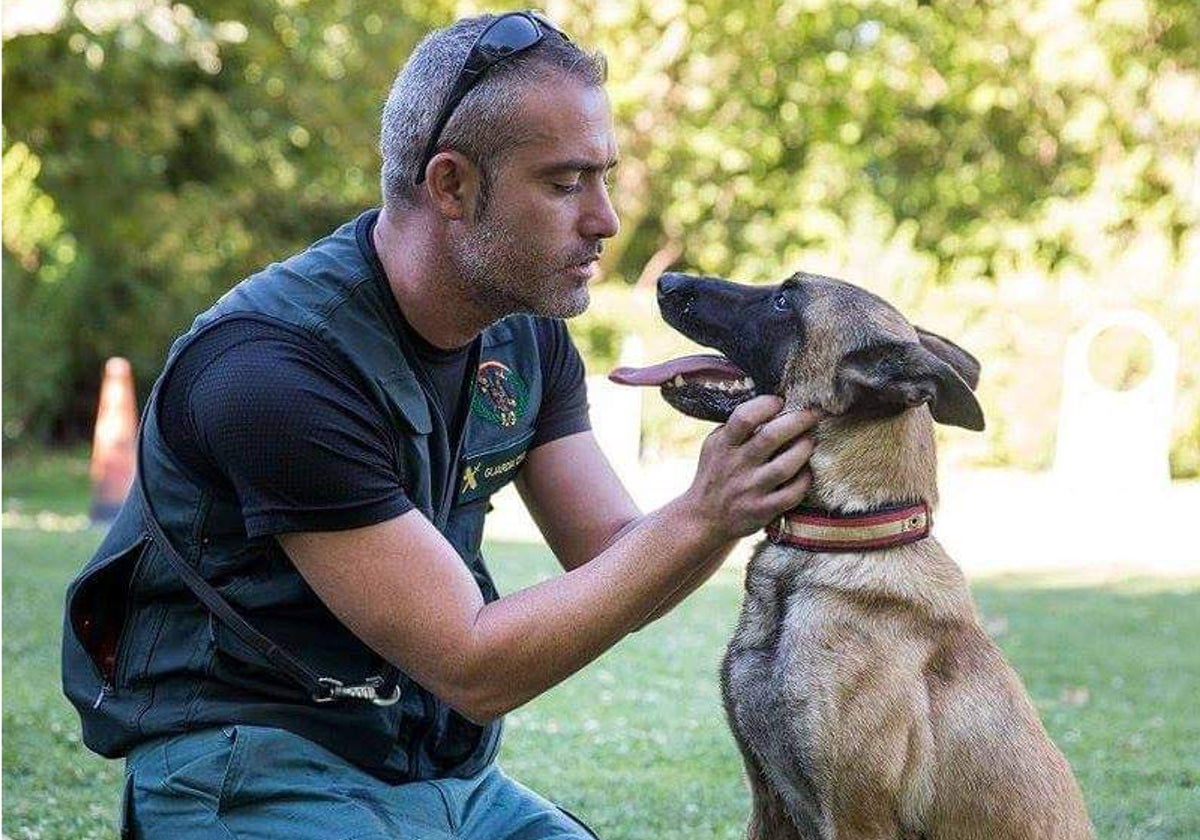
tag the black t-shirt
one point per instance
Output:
(276, 418)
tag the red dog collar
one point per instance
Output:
(824, 531)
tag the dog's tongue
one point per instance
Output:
(664, 372)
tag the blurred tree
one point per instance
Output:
(160, 151)
(760, 131)
(179, 152)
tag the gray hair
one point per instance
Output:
(481, 127)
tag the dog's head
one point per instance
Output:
(818, 342)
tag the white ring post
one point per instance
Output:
(1115, 444)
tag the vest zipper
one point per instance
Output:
(441, 506)
(123, 643)
(105, 690)
(454, 448)
(466, 392)
(442, 513)
(107, 684)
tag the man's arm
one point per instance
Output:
(575, 498)
(582, 508)
(402, 588)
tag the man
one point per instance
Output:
(319, 453)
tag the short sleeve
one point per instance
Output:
(285, 426)
(564, 409)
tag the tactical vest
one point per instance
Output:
(142, 658)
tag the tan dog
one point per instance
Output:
(866, 699)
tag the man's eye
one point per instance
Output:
(567, 189)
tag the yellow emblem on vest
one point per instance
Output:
(470, 481)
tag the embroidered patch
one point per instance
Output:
(501, 396)
(485, 473)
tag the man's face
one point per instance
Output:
(534, 246)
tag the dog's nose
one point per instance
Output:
(670, 284)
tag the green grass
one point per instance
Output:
(55, 481)
(637, 743)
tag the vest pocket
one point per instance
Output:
(99, 606)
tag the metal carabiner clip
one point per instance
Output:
(337, 690)
(388, 701)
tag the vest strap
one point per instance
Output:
(320, 689)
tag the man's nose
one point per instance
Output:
(601, 220)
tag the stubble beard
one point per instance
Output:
(501, 276)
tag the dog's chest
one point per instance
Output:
(768, 673)
(770, 684)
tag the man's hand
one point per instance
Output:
(753, 468)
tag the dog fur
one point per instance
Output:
(867, 700)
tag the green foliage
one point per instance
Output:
(179, 153)
(907, 145)
(42, 271)
(761, 130)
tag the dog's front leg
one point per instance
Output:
(769, 819)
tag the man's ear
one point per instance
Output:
(964, 364)
(453, 184)
(885, 379)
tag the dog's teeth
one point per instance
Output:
(728, 386)
(678, 380)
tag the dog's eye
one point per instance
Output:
(782, 304)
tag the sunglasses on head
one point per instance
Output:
(506, 36)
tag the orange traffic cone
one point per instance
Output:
(113, 454)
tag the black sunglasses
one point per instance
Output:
(506, 36)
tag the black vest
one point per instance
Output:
(142, 658)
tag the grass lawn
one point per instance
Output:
(636, 743)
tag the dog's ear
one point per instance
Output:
(964, 364)
(883, 380)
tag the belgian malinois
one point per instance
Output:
(866, 699)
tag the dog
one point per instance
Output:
(866, 699)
